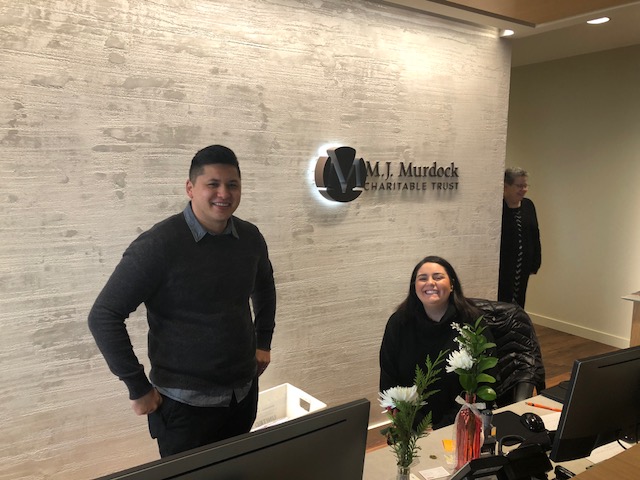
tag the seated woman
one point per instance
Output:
(421, 326)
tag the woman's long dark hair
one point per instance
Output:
(465, 308)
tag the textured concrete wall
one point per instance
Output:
(102, 105)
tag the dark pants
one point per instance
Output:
(179, 427)
(507, 291)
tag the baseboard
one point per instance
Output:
(580, 331)
(375, 439)
(379, 425)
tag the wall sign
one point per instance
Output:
(341, 177)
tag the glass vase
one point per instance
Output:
(468, 428)
(404, 473)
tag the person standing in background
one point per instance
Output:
(196, 273)
(520, 249)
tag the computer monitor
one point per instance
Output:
(602, 404)
(329, 443)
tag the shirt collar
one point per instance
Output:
(198, 231)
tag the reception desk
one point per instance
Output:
(635, 319)
(624, 466)
(381, 464)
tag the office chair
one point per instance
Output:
(520, 368)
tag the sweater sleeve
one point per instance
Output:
(536, 246)
(389, 376)
(130, 285)
(263, 299)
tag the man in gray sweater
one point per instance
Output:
(196, 273)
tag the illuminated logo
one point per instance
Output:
(341, 176)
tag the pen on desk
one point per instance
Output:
(537, 405)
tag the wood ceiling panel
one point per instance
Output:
(535, 12)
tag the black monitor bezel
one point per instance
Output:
(193, 463)
(597, 408)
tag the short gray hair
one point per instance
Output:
(510, 174)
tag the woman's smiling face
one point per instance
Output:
(433, 286)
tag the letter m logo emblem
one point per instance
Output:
(340, 176)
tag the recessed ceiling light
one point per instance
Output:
(507, 33)
(598, 21)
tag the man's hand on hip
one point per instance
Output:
(148, 403)
(264, 359)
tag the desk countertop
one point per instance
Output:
(635, 297)
(624, 466)
(381, 464)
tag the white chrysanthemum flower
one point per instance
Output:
(389, 398)
(459, 359)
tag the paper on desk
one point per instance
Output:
(551, 420)
(433, 473)
(606, 451)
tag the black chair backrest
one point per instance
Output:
(519, 356)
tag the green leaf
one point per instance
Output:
(486, 393)
(468, 382)
(424, 424)
(486, 363)
(429, 394)
(484, 378)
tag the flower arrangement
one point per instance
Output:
(402, 404)
(471, 361)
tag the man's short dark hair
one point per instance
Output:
(211, 155)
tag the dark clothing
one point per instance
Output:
(520, 251)
(201, 332)
(520, 367)
(179, 427)
(406, 343)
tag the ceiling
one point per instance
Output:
(545, 29)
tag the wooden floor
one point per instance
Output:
(559, 350)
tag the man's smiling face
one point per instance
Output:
(215, 195)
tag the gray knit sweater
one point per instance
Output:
(201, 331)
